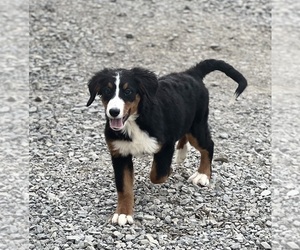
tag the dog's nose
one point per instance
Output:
(114, 112)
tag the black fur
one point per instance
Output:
(171, 107)
(119, 165)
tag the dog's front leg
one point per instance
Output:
(123, 168)
(161, 166)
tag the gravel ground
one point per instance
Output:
(72, 191)
(14, 118)
(68, 157)
(286, 125)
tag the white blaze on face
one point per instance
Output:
(116, 102)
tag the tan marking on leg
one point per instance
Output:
(205, 164)
(111, 148)
(153, 175)
(182, 142)
(126, 197)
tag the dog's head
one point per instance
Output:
(121, 92)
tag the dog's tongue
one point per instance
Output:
(116, 123)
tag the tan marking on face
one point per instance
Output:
(182, 142)
(126, 198)
(132, 106)
(205, 163)
(110, 85)
(105, 103)
(125, 86)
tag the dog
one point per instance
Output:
(147, 114)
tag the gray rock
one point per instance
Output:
(292, 192)
(292, 245)
(265, 193)
(118, 235)
(266, 245)
(144, 242)
(224, 135)
(129, 237)
(74, 238)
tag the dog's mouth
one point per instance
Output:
(118, 124)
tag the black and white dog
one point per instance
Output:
(146, 114)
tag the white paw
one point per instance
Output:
(122, 219)
(198, 178)
(181, 154)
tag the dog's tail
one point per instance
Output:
(203, 68)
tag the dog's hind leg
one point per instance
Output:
(201, 140)
(161, 166)
(181, 149)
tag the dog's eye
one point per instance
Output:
(127, 92)
(107, 91)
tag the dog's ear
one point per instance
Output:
(147, 82)
(96, 83)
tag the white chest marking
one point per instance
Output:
(140, 142)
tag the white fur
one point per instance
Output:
(140, 142)
(199, 178)
(122, 219)
(181, 154)
(116, 101)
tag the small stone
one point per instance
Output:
(292, 245)
(226, 198)
(118, 234)
(11, 99)
(38, 99)
(215, 47)
(110, 52)
(149, 217)
(32, 109)
(168, 219)
(265, 193)
(90, 248)
(235, 246)
(296, 223)
(157, 201)
(144, 242)
(266, 245)
(269, 223)
(239, 237)
(4, 109)
(39, 229)
(292, 193)
(151, 239)
(74, 238)
(122, 14)
(129, 237)
(129, 36)
(187, 8)
(42, 236)
(223, 136)
(89, 238)
(221, 159)
(83, 159)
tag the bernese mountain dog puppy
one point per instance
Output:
(147, 114)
